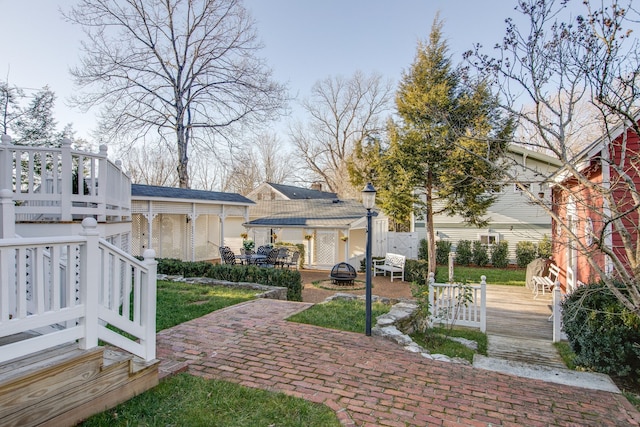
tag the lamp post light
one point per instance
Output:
(368, 200)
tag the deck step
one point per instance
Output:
(64, 385)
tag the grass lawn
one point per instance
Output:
(180, 302)
(435, 340)
(495, 276)
(186, 400)
(344, 315)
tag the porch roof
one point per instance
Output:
(312, 213)
(154, 192)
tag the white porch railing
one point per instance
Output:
(61, 184)
(57, 290)
(464, 305)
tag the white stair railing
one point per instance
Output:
(45, 302)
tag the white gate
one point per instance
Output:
(403, 244)
(325, 252)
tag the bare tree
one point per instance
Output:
(185, 69)
(264, 159)
(341, 112)
(554, 67)
(151, 164)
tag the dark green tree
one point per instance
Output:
(450, 137)
(36, 124)
(376, 163)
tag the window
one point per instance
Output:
(517, 189)
(489, 238)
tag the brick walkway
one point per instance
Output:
(371, 381)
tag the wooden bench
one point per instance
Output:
(392, 263)
(546, 283)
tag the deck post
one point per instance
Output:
(66, 175)
(90, 278)
(432, 297)
(148, 298)
(557, 316)
(483, 303)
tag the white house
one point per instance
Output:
(331, 229)
(512, 217)
(190, 225)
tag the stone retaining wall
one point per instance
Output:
(269, 292)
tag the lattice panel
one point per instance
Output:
(139, 235)
(325, 249)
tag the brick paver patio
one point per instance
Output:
(371, 381)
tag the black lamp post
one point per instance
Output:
(368, 200)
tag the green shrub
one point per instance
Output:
(479, 256)
(525, 253)
(363, 261)
(464, 253)
(416, 271)
(290, 279)
(443, 247)
(423, 250)
(500, 254)
(170, 266)
(603, 333)
(544, 247)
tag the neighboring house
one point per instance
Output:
(581, 208)
(187, 224)
(331, 229)
(513, 217)
(271, 191)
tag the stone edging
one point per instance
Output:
(269, 292)
(398, 323)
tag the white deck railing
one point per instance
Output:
(61, 184)
(57, 290)
(457, 304)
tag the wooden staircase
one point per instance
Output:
(64, 385)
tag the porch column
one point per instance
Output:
(193, 216)
(150, 215)
(223, 215)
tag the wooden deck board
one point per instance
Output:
(518, 326)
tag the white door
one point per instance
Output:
(325, 252)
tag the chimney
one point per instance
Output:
(316, 186)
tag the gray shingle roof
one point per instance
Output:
(141, 190)
(306, 213)
(297, 193)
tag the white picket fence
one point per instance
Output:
(56, 290)
(454, 303)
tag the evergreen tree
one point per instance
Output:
(450, 137)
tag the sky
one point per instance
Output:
(305, 41)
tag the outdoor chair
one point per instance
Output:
(292, 261)
(264, 250)
(283, 255)
(271, 260)
(227, 255)
(247, 255)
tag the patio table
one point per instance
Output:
(251, 258)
